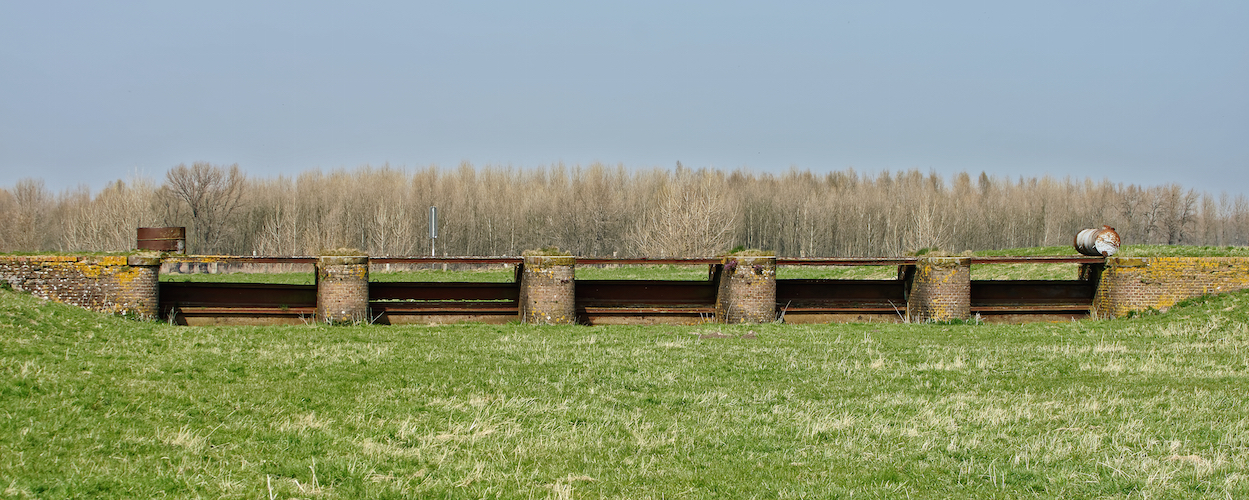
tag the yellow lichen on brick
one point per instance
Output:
(1159, 283)
(127, 274)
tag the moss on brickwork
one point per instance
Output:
(1131, 285)
(940, 290)
(104, 283)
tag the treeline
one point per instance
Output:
(602, 211)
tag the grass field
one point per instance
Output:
(95, 406)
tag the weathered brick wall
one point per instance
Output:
(747, 290)
(343, 289)
(941, 290)
(112, 284)
(1140, 284)
(548, 290)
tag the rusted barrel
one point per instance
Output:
(163, 239)
(1098, 242)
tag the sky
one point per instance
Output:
(1138, 92)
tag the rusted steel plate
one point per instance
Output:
(401, 318)
(798, 318)
(1020, 298)
(238, 259)
(236, 295)
(444, 291)
(837, 261)
(239, 316)
(840, 295)
(1038, 260)
(163, 239)
(648, 311)
(1030, 291)
(646, 261)
(644, 293)
(1030, 308)
(1036, 317)
(247, 310)
(895, 309)
(444, 307)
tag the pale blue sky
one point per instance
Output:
(1139, 92)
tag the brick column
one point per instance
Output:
(940, 290)
(138, 290)
(747, 290)
(343, 289)
(548, 290)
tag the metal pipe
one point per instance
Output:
(1102, 241)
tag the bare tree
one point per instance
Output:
(692, 218)
(211, 194)
(28, 206)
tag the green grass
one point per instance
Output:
(487, 275)
(644, 272)
(94, 406)
(699, 272)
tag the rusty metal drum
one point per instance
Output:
(1098, 242)
(162, 239)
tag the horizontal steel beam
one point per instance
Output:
(446, 260)
(644, 293)
(647, 261)
(443, 291)
(783, 261)
(236, 259)
(175, 294)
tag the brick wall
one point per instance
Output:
(343, 289)
(547, 290)
(1140, 284)
(940, 290)
(747, 290)
(112, 284)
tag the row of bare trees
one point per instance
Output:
(600, 211)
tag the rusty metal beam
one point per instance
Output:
(644, 293)
(838, 261)
(646, 261)
(237, 259)
(444, 307)
(814, 295)
(785, 261)
(445, 260)
(1038, 260)
(175, 294)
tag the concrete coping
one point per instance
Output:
(1127, 262)
(550, 260)
(749, 259)
(342, 260)
(143, 260)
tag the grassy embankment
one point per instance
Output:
(103, 407)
